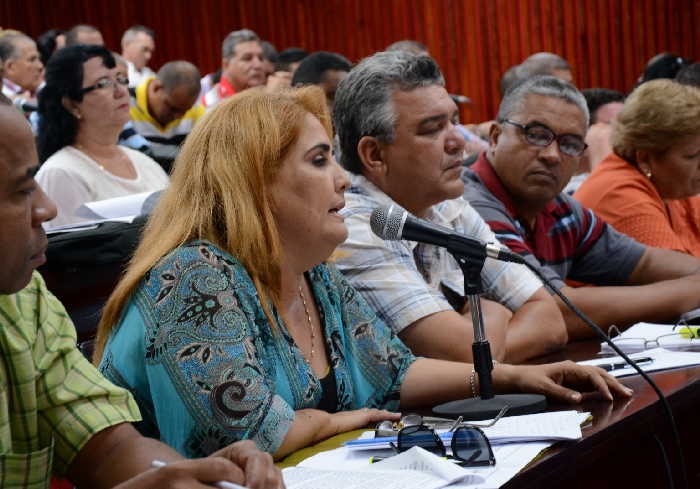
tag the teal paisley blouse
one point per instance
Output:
(207, 369)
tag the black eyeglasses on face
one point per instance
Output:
(540, 135)
(106, 83)
(469, 444)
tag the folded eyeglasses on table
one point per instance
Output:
(469, 445)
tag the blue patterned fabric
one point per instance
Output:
(207, 368)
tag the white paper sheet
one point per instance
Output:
(413, 469)
(560, 425)
(510, 459)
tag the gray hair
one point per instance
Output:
(547, 86)
(73, 32)
(8, 46)
(131, 33)
(542, 64)
(228, 48)
(179, 73)
(363, 102)
(409, 45)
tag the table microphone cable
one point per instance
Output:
(662, 397)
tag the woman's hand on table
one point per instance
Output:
(565, 381)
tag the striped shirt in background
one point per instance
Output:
(567, 241)
(52, 400)
(164, 141)
(401, 279)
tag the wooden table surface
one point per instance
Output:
(620, 448)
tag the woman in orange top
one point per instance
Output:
(648, 187)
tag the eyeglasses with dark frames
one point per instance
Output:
(106, 82)
(538, 134)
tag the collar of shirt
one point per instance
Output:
(443, 213)
(11, 87)
(224, 88)
(483, 169)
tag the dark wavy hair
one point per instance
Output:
(64, 78)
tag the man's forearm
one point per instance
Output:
(626, 305)
(115, 455)
(536, 328)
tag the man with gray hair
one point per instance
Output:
(243, 66)
(537, 64)
(516, 186)
(138, 44)
(84, 34)
(398, 138)
(164, 109)
(22, 67)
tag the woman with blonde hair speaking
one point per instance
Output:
(648, 187)
(229, 324)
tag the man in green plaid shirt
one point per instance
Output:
(58, 415)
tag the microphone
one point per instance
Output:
(460, 99)
(392, 223)
(24, 106)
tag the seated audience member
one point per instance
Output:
(603, 105)
(59, 415)
(83, 108)
(689, 75)
(544, 63)
(648, 188)
(516, 186)
(508, 80)
(289, 59)
(662, 65)
(164, 109)
(324, 69)
(537, 64)
(275, 80)
(128, 135)
(270, 56)
(398, 138)
(50, 42)
(242, 67)
(229, 325)
(22, 67)
(409, 46)
(84, 34)
(138, 44)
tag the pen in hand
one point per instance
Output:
(620, 365)
(156, 464)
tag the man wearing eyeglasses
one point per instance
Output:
(516, 185)
(397, 128)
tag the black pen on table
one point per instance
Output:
(620, 365)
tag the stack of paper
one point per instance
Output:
(562, 425)
(413, 469)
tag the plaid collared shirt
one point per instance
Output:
(52, 400)
(401, 279)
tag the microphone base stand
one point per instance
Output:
(487, 405)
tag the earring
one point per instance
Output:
(77, 115)
(647, 173)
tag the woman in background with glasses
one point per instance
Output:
(230, 325)
(83, 107)
(648, 187)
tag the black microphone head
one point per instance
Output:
(387, 222)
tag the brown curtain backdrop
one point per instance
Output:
(607, 42)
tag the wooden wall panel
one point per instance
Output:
(475, 41)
